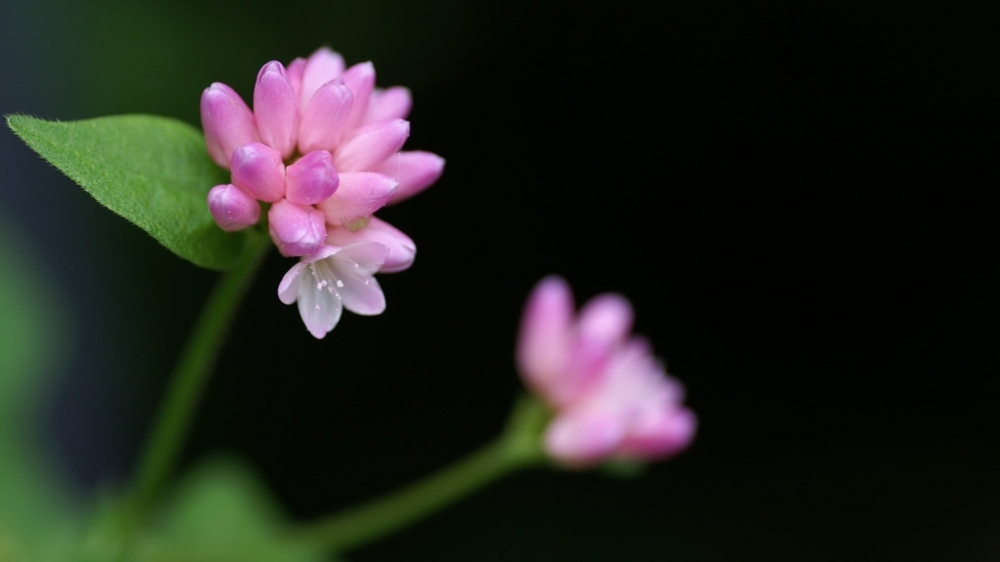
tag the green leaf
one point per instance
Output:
(38, 514)
(153, 171)
(222, 512)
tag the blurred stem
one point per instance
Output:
(518, 447)
(189, 377)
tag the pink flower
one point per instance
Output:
(322, 145)
(610, 397)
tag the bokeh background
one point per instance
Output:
(800, 201)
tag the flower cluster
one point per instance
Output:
(610, 396)
(322, 148)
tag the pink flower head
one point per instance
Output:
(322, 145)
(611, 398)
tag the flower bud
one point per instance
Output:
(258, 170)
(359, 195)
(391, 103)
(294, 71)
(602, 326)
(227, 121)
(312, 179)
(360, 78)
(276, 108)
(415, 170)
(296, 230)
(546, 327)
(321, 67)
(325, 118)
(371, 144)
(231, 208)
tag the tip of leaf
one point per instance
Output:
(15, 120)
(10, 120)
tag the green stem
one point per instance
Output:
(518, 447)
(189, 377)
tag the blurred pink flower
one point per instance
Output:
(322, 145)
(611, 398)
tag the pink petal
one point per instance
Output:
(295, 230)
(659, 436)
(402, 250)
(360, 78)
(671, 389)
(391, 103)
(227, 121)
(371, 144)
(632, 383)
(276, 108)
(603, 325)
(231, 208)
(542, 350)
(323, 65)
(582, 439)
(606, 319)
(358, 195)
(354, 267)
(415, 171)
(295, 70)
(288, 289)
(632, 370)
(325, 117)
(312, 179)
(258, 170)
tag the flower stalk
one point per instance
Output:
(517, 447)
(187, 382)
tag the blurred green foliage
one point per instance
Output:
(222, 512)
(37, 512)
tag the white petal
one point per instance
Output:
(324, 252)
(368, 256)
(362, 295)
(288, 289)
(319, 303)
(354, 267)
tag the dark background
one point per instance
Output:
(800, 202)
